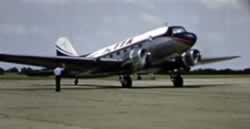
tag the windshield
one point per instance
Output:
(178, 30)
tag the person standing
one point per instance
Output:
(58, 75)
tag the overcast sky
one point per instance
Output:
(33, 26)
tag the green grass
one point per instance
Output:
(12, 76)
(219, 76)
(148, 77)
(207, 76)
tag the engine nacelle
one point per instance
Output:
(139, 58)
(191, 57)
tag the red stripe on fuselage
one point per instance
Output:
(184, 41)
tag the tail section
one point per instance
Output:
(65, 48)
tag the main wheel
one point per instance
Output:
(76, 81)
(126, 81)
(178, 81)
(139, 77)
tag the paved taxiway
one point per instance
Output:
(205, 103)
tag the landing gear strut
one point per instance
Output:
(176, 78)
(76, 81)
(126, 81)
(139, 77)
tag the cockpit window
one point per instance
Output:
(175, 30)
(178, 30)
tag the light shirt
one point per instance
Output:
(58, 71)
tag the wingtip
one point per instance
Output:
(234, 57)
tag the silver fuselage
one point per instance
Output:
(161, 49)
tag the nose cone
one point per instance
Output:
(190, 37)
(187, 38)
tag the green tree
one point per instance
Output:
(12, 70)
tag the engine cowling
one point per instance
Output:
(191, 57)
(139, 58)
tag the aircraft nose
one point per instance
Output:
(191, 37)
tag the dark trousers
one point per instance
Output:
(58, 83)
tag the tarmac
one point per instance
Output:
(204, 103)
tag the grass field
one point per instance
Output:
(12, 76)
(206, 101)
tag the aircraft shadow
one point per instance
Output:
(49, 87)
(151, 87)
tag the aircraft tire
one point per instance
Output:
(139, 77)
(178, 81)
(76, 82)
(126, 81)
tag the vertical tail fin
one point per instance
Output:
(65, 48)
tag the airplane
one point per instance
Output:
(165, 48)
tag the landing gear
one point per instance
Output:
(126, 81)
(76, 81)
(177, 79)
(139, 77)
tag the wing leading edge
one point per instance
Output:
(216, 59)
(77, 63)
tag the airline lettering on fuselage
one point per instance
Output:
(146, 36)
(113, 48)
(122, 44)
(117, 46)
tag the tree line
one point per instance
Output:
(25, 71)
(46, 72)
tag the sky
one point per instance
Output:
(33, 26)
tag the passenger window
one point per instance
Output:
(118, 53)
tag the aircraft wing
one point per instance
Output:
(77, 63)
(216, 59)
